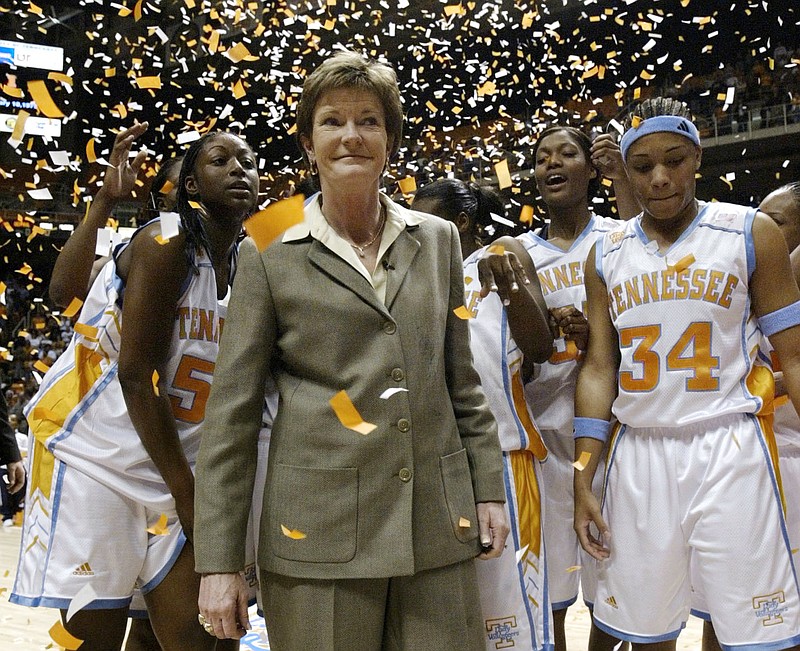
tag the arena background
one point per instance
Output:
(479, 81)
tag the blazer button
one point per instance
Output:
(403, 425)
(405, 474)
(397, 374)
(389, 328)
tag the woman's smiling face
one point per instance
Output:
(348, 142)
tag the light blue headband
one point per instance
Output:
(659, 124)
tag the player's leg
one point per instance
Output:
(599, 640)
(710, 641)
(173, 610)
(141, 636)
(100, 630)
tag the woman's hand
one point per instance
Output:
(223, 604)
(120, 178)
(607, 157)
(587, 513)
(501, 272)
(493, 528)
(570, 323)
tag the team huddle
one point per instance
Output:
(627, 426)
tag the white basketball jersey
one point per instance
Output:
(498, 360)
(79, 412)
(687, 336)
(551, 395)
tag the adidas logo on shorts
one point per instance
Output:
(84, 570)
(612, 602)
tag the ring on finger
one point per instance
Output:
(209, 628)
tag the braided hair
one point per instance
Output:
(655, 106)
(454, 196)
(583, 141)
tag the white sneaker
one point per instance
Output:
(8, 523)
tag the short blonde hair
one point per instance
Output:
(349, 69)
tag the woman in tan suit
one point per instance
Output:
(367, 537)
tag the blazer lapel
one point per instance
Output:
(341, 272)
(399, 256)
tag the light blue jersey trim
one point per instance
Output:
(563, 605)
(749, 244)
(63, 604)
(639, 639)
(637, 225)
(701, 615)
(158, 578)
(598, 259)
(788, 643)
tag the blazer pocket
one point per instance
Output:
(457, 482)
(315, 514)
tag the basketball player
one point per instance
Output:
(509, 331)
(567, 171)
(678, 299)
(116, 418)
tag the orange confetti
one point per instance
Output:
(683, 263)
(90, 332)
(90, 155)
(463, 522)
(636, 121)
(160, 527)
(40, 366)
(573, 568)
(160, 240)
(294, 534)
(462, 312)
(63, 637)
(25, 269)
(149, 82)
(408, 185)
(266, 225)
(73, 308)
(526, 215)
(155, 384)
(60, 77)
(496, 249)
(45, 104)
(348, 415)
(582, 461)
(488, 88)
(503, 175)
(239, 52)
(167, 187)
(19, 126)
(13, 91)
(238, 89)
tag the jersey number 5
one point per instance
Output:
(692, 353)
(193, 376)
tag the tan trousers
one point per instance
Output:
(434, 610)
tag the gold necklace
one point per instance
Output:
(361, 248)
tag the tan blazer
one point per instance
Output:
(393, 502)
